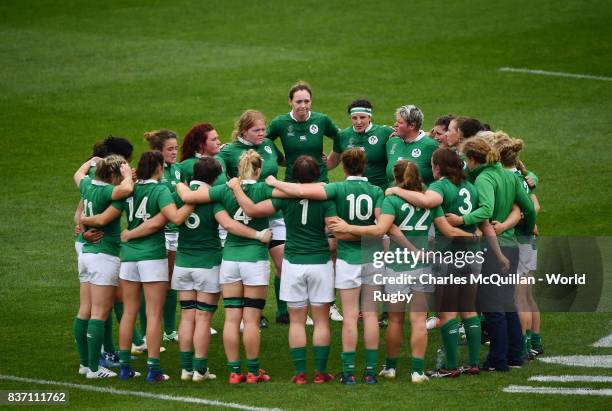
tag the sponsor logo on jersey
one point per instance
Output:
(416, 153)
(268, 149)
(393, 148)
(177, 174)
(373, 140)
(314, 129)
(290, 131)
(302, 138)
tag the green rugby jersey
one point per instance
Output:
(302, 138)
(373, 142)
(240, 248)
(306, 241)
(97, 196)
(523, 235)
(414, 222)
(418, 151)
(171, 176)
(86, 180)
(498, 189)
(148, 199)
(267, 150)
(355, 200)
(186, 169)
(199, 245)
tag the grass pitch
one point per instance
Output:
(73, 72)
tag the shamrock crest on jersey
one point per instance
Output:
(268, 149)
(177, 174)
(314, 129)
(373, 140)
(416, 152)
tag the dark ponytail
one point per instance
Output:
(148, 164)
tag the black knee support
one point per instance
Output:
(188, 304)
(259, 303)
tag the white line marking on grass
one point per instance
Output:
(525, 389)
(591, 361)
(164, 397)
(570, 378)
(604, 342)
(554, 73)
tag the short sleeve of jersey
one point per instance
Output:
(177, 200)
(278, 203)
(107, 193)
(437, 212)
(83, 185)
(436, 186)
(267, 191)
(387, 207)
(380, 196)
(331, 130)
(216, 193)
(336, 147)
(217, 207)
(330, 209)
(165, 197)
(330, 190)
(272, 132)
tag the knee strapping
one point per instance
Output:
(188, 304)
(202, 306)
(258, 303)
(233, 302)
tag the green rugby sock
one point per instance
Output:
(281, 306)
(80, 335)
(536, 340)
(298, 356)
(528, 340)
(95, 336)
(321, 355)
(170, 312)
(125, 357)
(450, 338)
(108, 344)
(253, 365)
(201, 364)
(390, 362)
(186, 359)
(234, 366)
(418, 365)
(153, 364)
(371, 359)
(348, 362)
(473, 332)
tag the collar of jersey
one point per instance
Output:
(246, 143)
(307, 118)
(197, 183)
(248, 182)
(149, 181)
(421, 135)
(99, 183)
(368, 128)
(356, 178)
(198, 155)
(514, 169)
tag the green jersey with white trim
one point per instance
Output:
(302, 138)
(171, 176)
(199, 245)
(457, 199)
(418, 151)
(522, 234)
(186, 169)
(373, 142)
(97, 196)
(305, 220)
(148, 199)
(355, 199)
(414, 222)
(267, 150)
(240, 248)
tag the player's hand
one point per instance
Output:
(94, 160)
(125, 236)
(498, 227)
(265, 236)
(390, 191)
(530, 182)
(134, 176)
(234, 183)
(77, 229)
(535, 230)
(126, 171)
(92, 235)
(271, 181)
(339, 226)
(504, 263)
(454, 219)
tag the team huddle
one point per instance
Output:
(207, 227)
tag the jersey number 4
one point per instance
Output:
(141, 211)
(239, 215)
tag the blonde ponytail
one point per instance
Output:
(248, 164)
